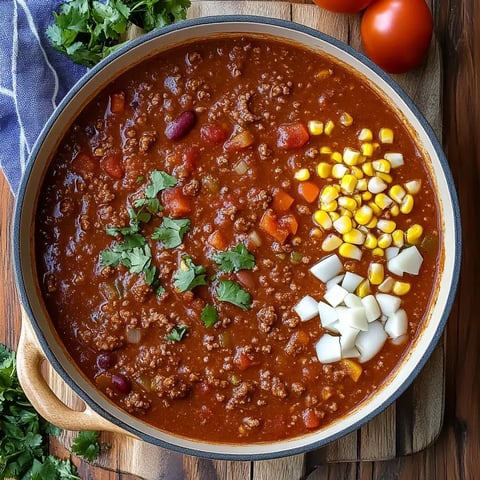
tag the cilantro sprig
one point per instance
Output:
(177, 333)
(87, 31)
(231, 292)
(171, 232)
(86, 445)
(189, 275)
(209, 315)
(238, 258)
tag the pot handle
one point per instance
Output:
(29, 364)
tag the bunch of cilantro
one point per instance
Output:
(88, 30)
(23, 434)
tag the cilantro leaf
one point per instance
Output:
(238, 258)
(86, 445)
(159, 181)
(151, 204)
(189, 275)
(171, 232)
(231, 292)
(209, 315)
(177, 333)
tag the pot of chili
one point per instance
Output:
(231, 240)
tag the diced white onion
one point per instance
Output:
(353, 317)
(399, 340)
(387, 285)
(335, 295)
(328, 349)
(391, 252)
(351, 353)
(255, 238)
(327, 268)
(240, 167)
(389, 304)
(397, 324)
(348, 336)
(334, 281)
(328, 314)
(133, 335)
(351, 300)
(409, 260)
(372, 309)
(395, 159)
(306, 308)
(369, 343)
(333, 327)
(351, 281)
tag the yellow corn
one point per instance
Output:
(387, 285)
(384, 240)
(356, 171)
(315, 127)
(395, 210)
(375, 208)
(414, 234)
(348, 250)
(370, 241)
(382, 200)
(367, 168)
(413, 186)
(336, 157)
(347, 202)
(376, 273)
(358, 198)
(348, 183)
(353, 369)
(322, 219)
(324, 169)
(316, 233)
(378, 252)
(334, 215)
(346, 119)
(329, 207)
(372, 223)
(351, 156)
(325, 150)
(329, 126)
(362, 184)
(363, 215)
(386, 177)
(395, 159)
(354, 236)
(343, 224)
(331, 243)
(398, 238)
(397, 192)
(363, 289)
(339, 170)
(381, 165)
(400, 288)
(365, 135)
(345, 212)
(367, 149)
(386, 226)
(366, 196)
(407, 204)
(328, 194)
(385, 135)
(302, 174)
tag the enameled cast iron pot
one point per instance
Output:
(39, 339)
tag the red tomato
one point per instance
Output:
(396, 34)
(112, 164)
(176, 203)
(343, 6)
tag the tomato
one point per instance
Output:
(396, 34)
(343, 6)
(112, 165)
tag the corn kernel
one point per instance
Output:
(362, 184)
(358, 198)
(343, 224)
(386, 135)
(414, 234)
(348, 250)
(348, 183)
(413, 186)
(328, 194)
(376, 185)
(363, 289)
(329, 126)
(334, 215)
(315, 127)
(347, 202)
(353, 369)
(336, 157)
(367, 168)
(346, 119)
(356, 172)
(363, 215)
(367, 196)
(376, 273)
(387, 285)
(378, 252)
(325, 150)
(384, 240)
(397, 192)
(316, 233)
(344, 211)
(398, 238)
(372, 223)
(329, 207)
(331, 243)
(395, 159)
(386, 177)
(339, 170)
(375, 208)
(381, 165)
(386, 226)
(383, 201)
(302, 174)
(367, 149)
(407, 204)
(351, 156)
(401, 288)
(355, 237)
(324, 169)
(322, 219)
(365, 135)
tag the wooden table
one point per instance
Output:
(456, 453)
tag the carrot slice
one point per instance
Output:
(269, 224)
(282, 201)
(309, 191)
(217, 240)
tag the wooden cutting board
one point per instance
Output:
(409, 425)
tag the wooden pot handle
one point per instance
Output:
(29, 369)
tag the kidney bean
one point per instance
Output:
(121, 383)
(179, 127)
(105, 360)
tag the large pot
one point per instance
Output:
(39, 339)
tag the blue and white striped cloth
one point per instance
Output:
(33, 80)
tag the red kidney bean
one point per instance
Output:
(121, 383)
(105, 360)
(179, 127)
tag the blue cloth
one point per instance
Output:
(33, 79)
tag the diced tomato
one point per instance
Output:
(85, 164)
(213, 133)
(292, 135)
(239, 141)
(243, 361)
(310, 418)
(190, 158)
(289, 222)
(217, 240)
(112, 165)
(117, 102)
(282, 201)
(175, 202)
(309, 191)
(269, 224)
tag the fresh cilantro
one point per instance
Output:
(159, 181)
(171, 232)
(177, 333)
(86, 445)
(151, 204)
(87, 31)
(238, 258)
(189, 275)
(209, 315)
(23, 439)
(231, 292)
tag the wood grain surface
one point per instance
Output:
(456, 453)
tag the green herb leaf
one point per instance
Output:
(86, 445)
(209, 315)
(177, 333)
(189, 275)
(238, 258)
(231, 292)
(159, 181)
(151, 204)
(171, 232)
